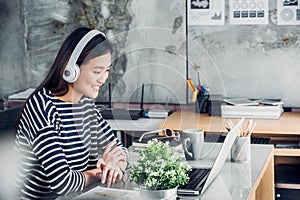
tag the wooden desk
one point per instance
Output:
(287, 128)
(283, 130)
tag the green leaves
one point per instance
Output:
(157, 167)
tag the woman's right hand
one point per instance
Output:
(113, 154)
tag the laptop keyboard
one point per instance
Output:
(196, 176)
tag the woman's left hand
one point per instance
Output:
(110, 173)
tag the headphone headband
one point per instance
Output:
(81, 44)
(72, 71)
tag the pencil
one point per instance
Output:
(191, 85)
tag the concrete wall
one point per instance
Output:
(254, 61)
(12, 70)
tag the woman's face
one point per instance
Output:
(93, 74)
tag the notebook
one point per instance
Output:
(205, 176)
(241, 102)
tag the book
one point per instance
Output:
(265, 111)
(241, 102)
(273, 102)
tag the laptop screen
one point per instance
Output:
(223, 154)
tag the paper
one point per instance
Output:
(249, 11)
(206, 12)
(105, 193)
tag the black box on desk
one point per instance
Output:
(202, 103)
(214, 105)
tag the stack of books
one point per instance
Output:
(266, 108)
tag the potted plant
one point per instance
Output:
(159, 171)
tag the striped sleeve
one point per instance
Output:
(46, 147)
(60, 177)
(106, 135)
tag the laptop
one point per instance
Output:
(201, 178)
(129, 114)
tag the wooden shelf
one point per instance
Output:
(286, 152)
(288, 186)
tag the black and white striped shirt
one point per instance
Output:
(57, 141)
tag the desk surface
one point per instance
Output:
(235, 181)
(142, 124)
(288, 123)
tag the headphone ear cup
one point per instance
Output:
(71, 73)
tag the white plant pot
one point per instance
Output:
(168, 194)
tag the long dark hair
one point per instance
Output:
(97, 46)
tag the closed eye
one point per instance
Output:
(101, 71)
(97, 72)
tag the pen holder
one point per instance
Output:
(201, 105)
(240, 150)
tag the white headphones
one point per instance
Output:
(72, 71)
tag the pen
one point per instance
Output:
(197, 68)
(198, 73)
(239, 133)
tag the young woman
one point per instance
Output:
(63, 142)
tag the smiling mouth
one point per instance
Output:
(96, 87)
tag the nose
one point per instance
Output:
(102, 78)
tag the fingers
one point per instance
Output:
(108, 149)
(113, 176)
(109, 146)
(100, 162)
(110, 174)
(113, 154)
